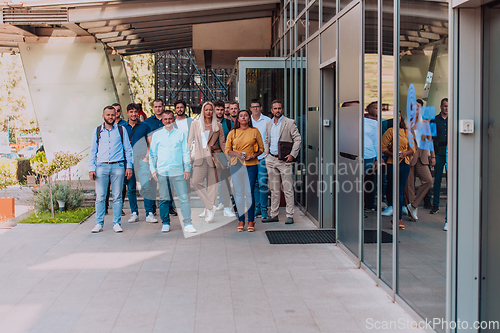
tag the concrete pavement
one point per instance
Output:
(62, 278)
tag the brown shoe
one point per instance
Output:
(241, 225)
(251, 226)
(401, 225)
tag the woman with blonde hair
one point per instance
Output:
(205, 137)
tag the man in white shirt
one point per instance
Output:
(182, 121)
(261, 190)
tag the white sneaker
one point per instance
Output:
(405, 211)
(445, 228)
(97, 228)
(412, 212)
(189, 228)
(151, 218)
(387, 211)
(228, 212)
(220, 207)
(165, 228)
(202, 215)
(210, 214)
(133, 217)
(117, 227)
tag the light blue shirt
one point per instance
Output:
(371, 138)
(169, 153)
(111, 148)
(261, 126)
(275, 136)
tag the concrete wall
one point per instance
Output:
(70, 84)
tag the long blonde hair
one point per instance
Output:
(215, 126)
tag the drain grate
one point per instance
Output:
(321, 236)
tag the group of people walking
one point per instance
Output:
(225, 145)
(420, 149)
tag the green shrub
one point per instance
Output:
(23, 169)
(60, 191)
(8, 172)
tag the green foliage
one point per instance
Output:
(14, 96)
(8, 172)
(60, 162)
(72, 216)
(23, 169)
(140, 71)
(60, 191)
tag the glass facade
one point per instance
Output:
(353, 70)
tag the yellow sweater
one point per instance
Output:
(248, 141)
(404, 144)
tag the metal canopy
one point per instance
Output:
(125, 27)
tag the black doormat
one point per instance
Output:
(371, 237)
(318, 236)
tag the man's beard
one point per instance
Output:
(169, 126)
(109, 123)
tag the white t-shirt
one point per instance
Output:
(182, 125)
(204, 138)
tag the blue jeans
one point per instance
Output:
(244, 178)
(438, 177)
(106, 173)
(141, 169)
(370, 183)
(152, 185)
(261, 190)
(166, 198)
(404, 171)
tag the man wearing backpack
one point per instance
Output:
(110, 160)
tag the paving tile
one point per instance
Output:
(65, 279)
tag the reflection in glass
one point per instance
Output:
(387, 122)
(329, 9)
(344, 3)
(314, 18)
(423, 85)
(370, 135)
(265, 84)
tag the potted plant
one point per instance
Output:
(8, 177)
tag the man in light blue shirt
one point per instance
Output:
(275, 133)
(261, 190)
(169, 160)
(370, 154)
(110, 160)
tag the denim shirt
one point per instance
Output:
(110, 149)
(169, 153)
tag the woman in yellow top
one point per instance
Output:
(404, 153)
(244, 144)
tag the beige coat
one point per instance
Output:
(421, 154)
(288, 133)
(200, 152)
